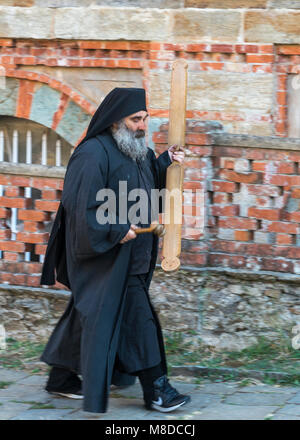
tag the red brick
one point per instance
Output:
(197, 139)
(289, 228)
(259, 58)
(27, 237)
(295, 193)
(15, 202)
(226, 211)
(277, 265)
(282, 98)
(194, 259)
(50, 194)
(33, 280)
(6, 42)
(5, 234)
(254, 154)
(237, 261)
(267, 214)
(4, 213)
(243, 235)
(43, 183)
(13, 246)
(262, 68)
(192, 185)
(14, 191)
(224, 48)
(45, 205)
(289, 49)
(221, 198)
(259, 166)
(19, 180)
(241, 177)
(227, 151)
(237, 223)
(293, 216)
(284, 239)
(40, 249)
(221, 186)
(18, 279)
(246, 48)
(30, 226)
(286, 168)
(11, 256)
(266, 48)
(32, 215)
(4, 179)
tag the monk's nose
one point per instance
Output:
(142, 125)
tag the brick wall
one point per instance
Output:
(241, 206)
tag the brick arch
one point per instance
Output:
(47, 101)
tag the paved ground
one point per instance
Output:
(22, 397)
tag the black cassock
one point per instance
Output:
(90, 261)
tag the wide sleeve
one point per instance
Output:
(86, 175)
(159, 167)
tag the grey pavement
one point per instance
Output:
(22, 397)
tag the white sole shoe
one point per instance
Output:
(68, 395)
(171, 408)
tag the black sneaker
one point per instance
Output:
(166, 398)
(64, 383)
(70, 394)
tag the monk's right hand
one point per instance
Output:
(130, 234)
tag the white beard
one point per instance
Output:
(133, 144)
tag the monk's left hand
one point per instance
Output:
(175, 154)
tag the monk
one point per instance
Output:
(109, 332)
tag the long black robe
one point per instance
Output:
(91, 262)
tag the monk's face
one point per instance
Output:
(137, 123)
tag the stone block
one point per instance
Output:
(8, 94)
(288, 4)
(73, 123)
(272, 26)
(18, 22)
(217, 91)
(106, 24)
(205, 25)
(222, 4)
(44, 104)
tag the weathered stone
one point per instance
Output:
(87, 3)
(217, 91)
(106, 24)
(25, 22)
(73, 123)
(40, 111)
(201, 25)
(226, 4)
(8, 94)
(272, 26)
(288, 4)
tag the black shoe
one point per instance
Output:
(166, 398)
(70, 394)
(64, 383)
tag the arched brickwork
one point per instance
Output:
(45, 100)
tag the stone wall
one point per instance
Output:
(255, 22)
(224, 309)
